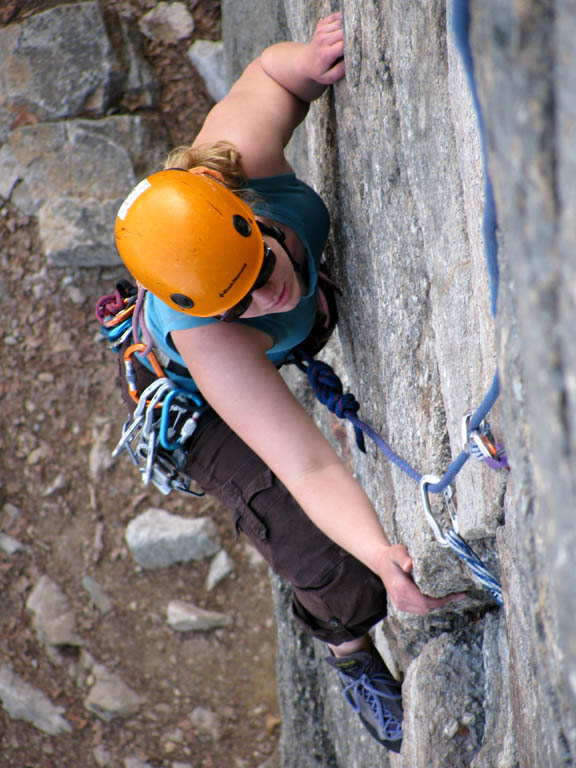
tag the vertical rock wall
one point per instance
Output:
(526, 71)
(395, 151)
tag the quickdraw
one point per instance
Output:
(155, 435)
(454, 541)
(480, 444)
(165, 416)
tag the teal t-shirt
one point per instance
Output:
(289, 201)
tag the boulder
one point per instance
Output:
(64, 157)
(53, 617)
(63, 62)
(167, 23)
(207, 56)
(157, 539)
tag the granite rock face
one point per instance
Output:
(69, 60)
(527, 72)
(395, 150)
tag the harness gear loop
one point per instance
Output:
(158, 465)
(160, 424)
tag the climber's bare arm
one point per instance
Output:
(271, 98)
(229, 364)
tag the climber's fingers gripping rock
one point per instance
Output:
(395, 570)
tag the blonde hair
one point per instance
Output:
(221, 156)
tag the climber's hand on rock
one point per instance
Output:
(323, 61)
(395, 568)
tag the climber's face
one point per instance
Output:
(277, 288)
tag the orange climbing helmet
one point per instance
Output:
(190, 241)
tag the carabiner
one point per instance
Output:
(480, 444)
(129, 369)
(464, 433)
(448, 495)
(120, 316)
(138, 420)
(425, 481)
(478, 436)
(164, 420)
(163, 386)
(128, 435)
(113, 334)
(150, 454)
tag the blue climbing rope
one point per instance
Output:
(461, 30)
(329, 391)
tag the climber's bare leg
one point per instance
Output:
(352, 646)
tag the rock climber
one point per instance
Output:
(227, 242)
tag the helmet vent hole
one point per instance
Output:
(185, 302)
(241, 225)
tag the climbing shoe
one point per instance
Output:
(373, 694)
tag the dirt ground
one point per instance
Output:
(58, 398)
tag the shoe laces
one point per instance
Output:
(364, 688)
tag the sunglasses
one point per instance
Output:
(268, 264)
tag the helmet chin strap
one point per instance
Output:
(280, 238)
